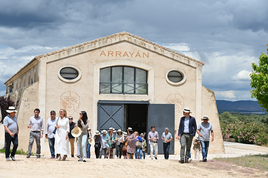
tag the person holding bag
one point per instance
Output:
(82, 139)
(138, 140)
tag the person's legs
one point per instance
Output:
(183, 144)
(107, 153)
(51, 142)
(156, 149)
(84, 145)
(189, 140)
(143, 154)
(78, 148)
(140, 151)
(71, 140)
(136, 153)
(31, 140)
(38, 144)
(203, 148)
(206, 148)
(167, 150)
(151, 150)
(88, 150)
(117, 150)
(120, 150)
(8, 142)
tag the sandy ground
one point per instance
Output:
(46, 167)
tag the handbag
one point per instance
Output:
(138, 144)
(113, 145)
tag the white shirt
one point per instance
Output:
(36, 123)
(50, 127)
(186, 125)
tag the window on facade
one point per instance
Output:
(175, 76)
(123, 80)
(69, 73)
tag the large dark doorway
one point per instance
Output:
(136, 116)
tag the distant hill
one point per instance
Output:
(244, 107)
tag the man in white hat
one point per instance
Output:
(36, 125)
(11, 132)
(204, 130)
(187, 130)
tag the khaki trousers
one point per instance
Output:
(71, 140)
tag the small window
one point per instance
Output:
(175, 76)
(69, 73)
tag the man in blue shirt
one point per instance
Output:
(11, 132)
(187, 130)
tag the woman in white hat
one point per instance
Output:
(119, 138)
(110, 137)
(97, 145)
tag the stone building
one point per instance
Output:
(120, 80)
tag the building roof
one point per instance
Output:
(112, 39)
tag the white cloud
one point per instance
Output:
(177, 46)
(225, 94)
(2, 93)
(242, 75)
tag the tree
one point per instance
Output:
(5, 102)
(259, 81)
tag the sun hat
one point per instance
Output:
(76, 132)
(11, 109)
(186, 110)
(129, 129)
(119, 130)
(141, 134)
(205, 117)
(104, 132)
(166, 129)
(97, 133)
(125, 133)
(111, 128)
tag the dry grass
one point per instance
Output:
(252, 161)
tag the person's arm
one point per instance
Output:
(171, 138)
(30, 123)
(67, 129)
(89, 134)
(195, 127)
(42, 127)
(179, 130)
(18, 129)
(212, 135)
(163, 136)
(157, 136)
(47, 128)
(8, 131)
(198, 130)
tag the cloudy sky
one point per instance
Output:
(228, 35)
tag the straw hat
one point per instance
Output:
(76, 132)
(205, 117)
(124, 133)
(129, 128)
(11, 109)
(97, 133)
(111, 128)
(187, 110)
(104, 132)
(119, 130)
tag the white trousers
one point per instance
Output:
(153, 148)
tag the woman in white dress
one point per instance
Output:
(61, 136)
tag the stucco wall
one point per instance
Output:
(209, 108)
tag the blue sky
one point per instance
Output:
(227, 35)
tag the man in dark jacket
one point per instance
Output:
(187, 130)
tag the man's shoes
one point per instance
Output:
(8, 159)
(72, 156)
(190, 159)
(84, 160)
(52, 157)
(13, 158)
(28, 156)
(205, 160)
(80, 159)
(187, 161)
(155, 158)
(38, 156)
(181, 161)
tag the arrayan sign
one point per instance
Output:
(125, 54)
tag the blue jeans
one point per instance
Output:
(138, 153)
(8, 140)
(51, 142)
(88, 150)
(166, 150)
(143, 154)
(204, 145)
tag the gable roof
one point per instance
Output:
(113, 39)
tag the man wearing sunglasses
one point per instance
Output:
(51, 123)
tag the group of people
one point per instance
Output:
(128, 144)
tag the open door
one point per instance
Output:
(110, 115)
(161, 116)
